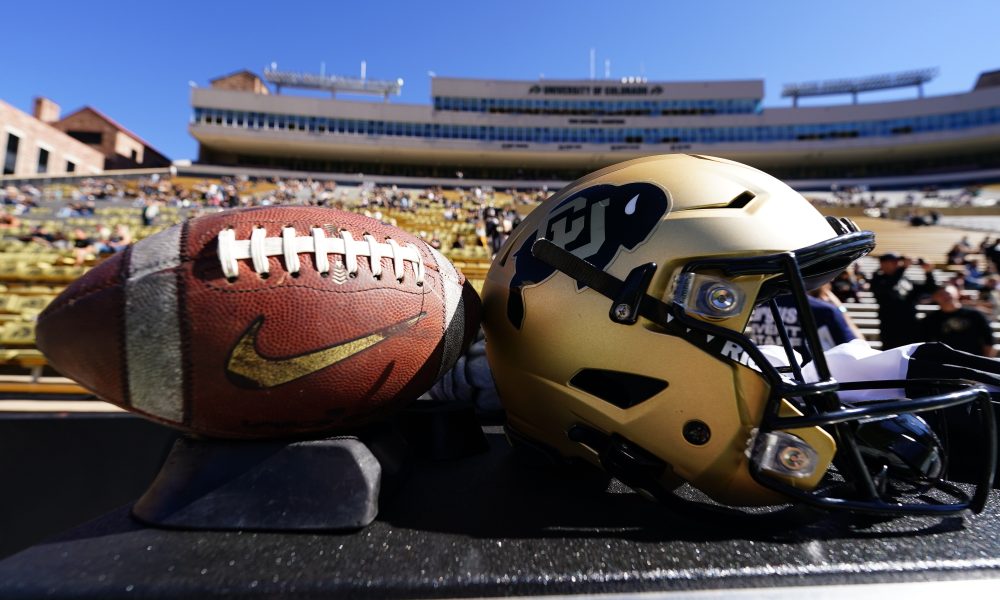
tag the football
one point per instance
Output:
(264, 323)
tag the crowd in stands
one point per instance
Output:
(487, 215)
(71, 219)
(954, 306)
(879, 202)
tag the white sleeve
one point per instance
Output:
(857, 361)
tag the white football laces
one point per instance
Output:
(289, 245)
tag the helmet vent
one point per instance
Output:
(742, 200)
(623, 390)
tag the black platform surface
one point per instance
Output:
(488, 526)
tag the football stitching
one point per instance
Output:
(55, 307)
(224, 290)
(126, 262)
(184, 322)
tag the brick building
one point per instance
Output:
(121, 148)
(30, 145)
(241, 81)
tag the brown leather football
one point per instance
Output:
(264, 322)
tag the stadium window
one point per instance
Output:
(70, 166)
(43, 160)
(10, 155)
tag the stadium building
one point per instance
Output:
(560, 129)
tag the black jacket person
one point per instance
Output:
(897, 297)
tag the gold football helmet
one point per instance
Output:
(615, 315)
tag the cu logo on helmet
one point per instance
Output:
(593, 224)
(580, 227)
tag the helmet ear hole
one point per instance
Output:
(623, 390)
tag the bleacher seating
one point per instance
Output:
(32, 273)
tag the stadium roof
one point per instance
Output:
(859, 84)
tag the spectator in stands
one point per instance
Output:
(962, 328)
(973, 276)
(83, 246)
(992, 252)
(149, 212)
(846, 287)
(39, 234)
(897, 298)
(956, 255)
(7, 220)
(832, 322)
(120, 239)
(988, 299)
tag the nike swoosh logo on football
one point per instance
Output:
(247, 363)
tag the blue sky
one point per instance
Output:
(134, 60)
